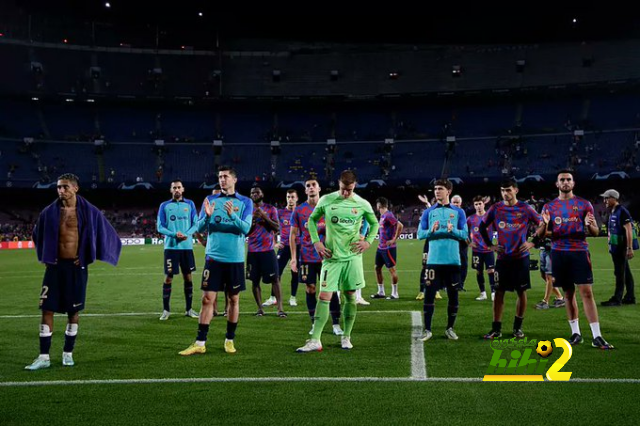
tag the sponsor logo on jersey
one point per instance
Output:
(503, 225)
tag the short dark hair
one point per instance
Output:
(348, 177)
(231, 170)
(292, 191)
(176, 180)
(256, 186)
(478, 198)
(444, 182)
(509, 183)
(310, 179)
(383, 202)
(70, 177)
(563, 171)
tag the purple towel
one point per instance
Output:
(98, 239)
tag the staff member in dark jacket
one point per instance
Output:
(621, 249)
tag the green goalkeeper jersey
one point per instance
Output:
(343, 219)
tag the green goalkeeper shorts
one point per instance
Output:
(342, 276)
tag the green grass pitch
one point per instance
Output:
(371, 383)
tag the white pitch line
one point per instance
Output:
(418, 364)
(142, 314)
(281, 379)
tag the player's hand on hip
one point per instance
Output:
(228, 207)
(526, 247)
(209, 206)
(293, 265)
(497, 248)
(360, 246)
(324, 252)
(279, 246)
(391, 242)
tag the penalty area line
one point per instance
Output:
(277, 380)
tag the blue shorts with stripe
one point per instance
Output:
(386, 257)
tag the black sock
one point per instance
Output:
(497, 326)
(294, 284)
(452, 308)
(481, 282)
(45, 344)
(166, 296)
(429, 306)
(334, 308)
(311, 305)
(517, 322)
(231, 330)
(203, 330)
(188, 294)
(69, 342)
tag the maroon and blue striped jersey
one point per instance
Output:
(285, 216)
(473, 223)
(512, 224)
(261, 237)
(388, 227)
(568, 231)
(308, 253)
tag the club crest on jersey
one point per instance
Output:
(354, 211)
(451, 216)
(558, 220)
(575, 208)
(518, 215)
(502, 225)
(236, 209)
(286, 222)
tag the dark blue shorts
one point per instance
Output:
(482, 261)
(219, 276)
(386, 257)
(262, 266)
(442, 276)
(512, 274)
(178, 260)
(284, 256)
(309, 273)
(571, 268)
(64, 287)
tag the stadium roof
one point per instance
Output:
(398, 21)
